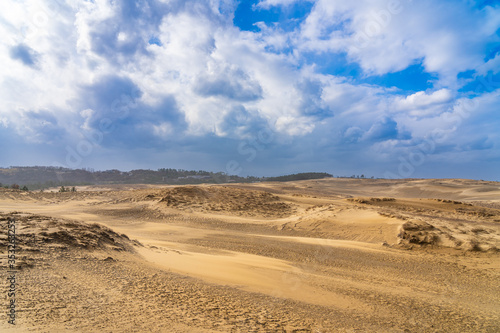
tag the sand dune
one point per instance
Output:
(332, 255)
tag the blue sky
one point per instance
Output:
(392, 89)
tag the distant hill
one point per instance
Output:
(40, 177)
(299, 176)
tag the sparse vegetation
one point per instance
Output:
(67, 189)
(370, 200)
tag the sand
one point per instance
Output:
(332, 255)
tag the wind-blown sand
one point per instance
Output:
(332, 255)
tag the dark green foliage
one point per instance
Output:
(299, 176)
(40, 177)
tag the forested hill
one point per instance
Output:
(299, 176)
(39, 177)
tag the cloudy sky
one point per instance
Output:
(385, 88)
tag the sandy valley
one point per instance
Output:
(330, 255)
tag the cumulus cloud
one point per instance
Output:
(40, 126)
(151, 75)
(382, 130)
(231, 83)
(424, 104)
(386, 37)
(421, 99)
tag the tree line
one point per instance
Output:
(42, 177)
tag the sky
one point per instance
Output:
(383, 88)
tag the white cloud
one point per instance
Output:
(422, 103)
(294, 126)
(49, 84)
(464, 119)
(266, 4)
(492, 65)
(422, 99)
(386, 37)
